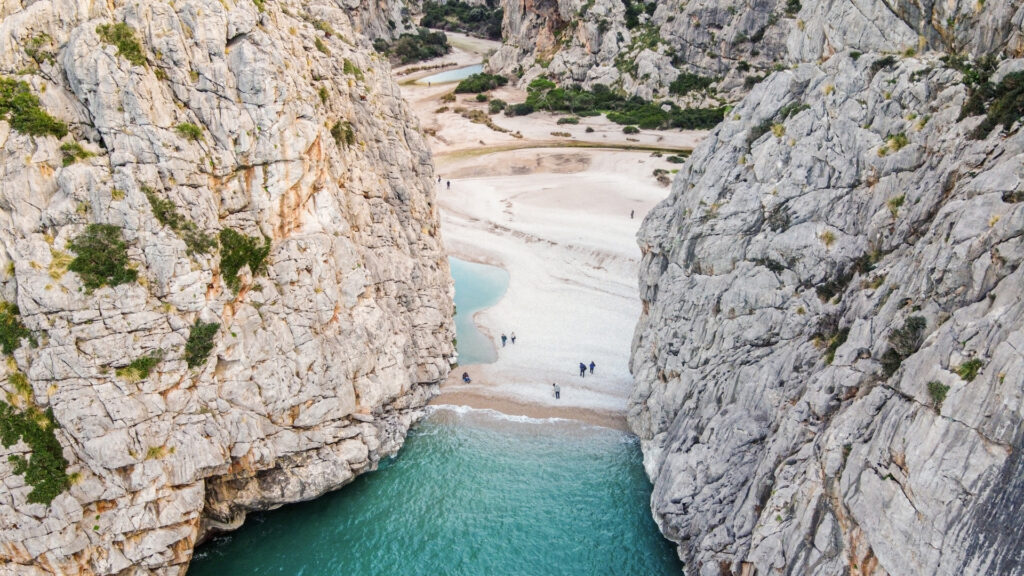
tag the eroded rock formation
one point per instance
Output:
(274, 121)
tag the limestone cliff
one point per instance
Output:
(829, 367)
(225, 281)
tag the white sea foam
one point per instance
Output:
(491, 413)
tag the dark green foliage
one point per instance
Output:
(481, 98)
(937, 390)
(73, 152)
(343, 134)
(752, 80)
(784, 113)
(123, 36)
(20, 107)
(101, 257)
(522, 109)
(903, 342)
(12, 331)
(35, 48)
(200, 343)
(196, 241)
(1004, 103)
(324, 94)
(543, 94)
(834, 342)
(634, 8)
(496, 105)
(568, 120)
(882, 63)
(350, 68)
(45, 469)
(423, 45)
(854, 55)
(969, 370)
(481, 82)
(458, 16)
(686, 83)
(189, 131)
(630, 130)
(140, 368)
(790, 110)
(676, 159)
(792, 7)
(319, 44)
(236, 252)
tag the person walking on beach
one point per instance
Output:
(583, 369)
(513, 337)
(503, 339)
(449, 184)
(631, 214)
(592, 365)
(557, 389)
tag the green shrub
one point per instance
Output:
(123, 37)
(630, 130)
(350, 68)
(481, 97)
(324, 95)
(522, 109)
(46, 468)
(260, 4)
(189, 131)
(12, 331)
(496, 105)
(319, 44)
(792, 7)
(457, 16)
(236, 252)
(1004, 103)
(686, 83)
(34, 48)
(569, 120)
(200, 343)
(140, 368)
(73, 152)
(20, 107)
(882, 63)
(676, 159)
(968, 371)
(424, 45)
(481, 82)
(166, 213)
(903, 342)
(937, 390)
(101, 257)
(834, 342)
(343, 134)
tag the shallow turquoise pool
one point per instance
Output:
(472, 493)
(477, 286)
(452, 75)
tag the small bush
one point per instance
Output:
(676, 159)
(937, 390)
(236, 252)
(1004, 103)
(424, 45)
(123, 37)
(968, 371)
(589, 129)
(569, 120)
(140, 368)
(20, 107)
(894, 204)
(523, 109)
(496, 105)
(834, 342)
(319, 44)
(200, 343)
(46, 468)
(481, 98)
(12, 331)
(903, 342)
(166, 213)
(343, 134)
(350, 68)
(686, 83)
(882, 63)
(630, 130)
(792, 7)
(189, 131)
(480, 82)
(324, 95)
(73, 152)
(101, 257)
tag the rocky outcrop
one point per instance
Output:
(738, 43)
(271, 120)
(828, 367)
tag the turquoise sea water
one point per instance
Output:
(472, 493)
(477, 286)
(452, 75)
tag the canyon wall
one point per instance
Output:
(224, 285)
(829, 367)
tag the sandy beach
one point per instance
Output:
(554, 211)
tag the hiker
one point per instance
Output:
(558, 390)
(465, 377)
(592, 365)
(438, 179)
(631, 214)
(449, 184)
(513, 337)
(503, 339)
(583, 369)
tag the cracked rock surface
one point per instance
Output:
(322, 360)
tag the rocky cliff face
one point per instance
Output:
(189, 123)
(828, 367)
(641, 47)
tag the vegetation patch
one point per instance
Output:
(236, 252)
(1003, 103)
(456, 16)
(350, 68)
(903, 342)
(12, 331)
(123, 37)
(45, 469)
(424, 45)
(686, 83)
(166, 213)
(937, 390)
(834, 342)
(496, 105)
(481, 82)
(319, 44)
(101, 257)
(569, 120)
(39, 48)
(20, 107)
(189, 131)
(342, 133)
(968, 371)
(200, 342)
(141, 367)
(73, 152)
